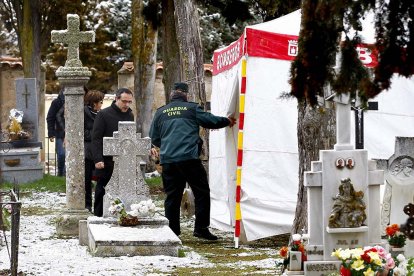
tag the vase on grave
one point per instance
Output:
(128, 220)
(295, 261)
(396, 250)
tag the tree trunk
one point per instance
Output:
(144, 52)
(170, 51)
(191, 54)
(30, 39)
(316, 131)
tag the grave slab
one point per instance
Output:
(151, 237)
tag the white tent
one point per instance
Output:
(253, 169)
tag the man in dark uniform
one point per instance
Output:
(106, 122)
(175, 130)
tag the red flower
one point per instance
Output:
(284, 252)
(392, 229)
(345, 271)
(366, 258)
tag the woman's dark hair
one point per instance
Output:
(93, 96)
(122, 91)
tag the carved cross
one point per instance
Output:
(26, 94)
(73, 37)
(129, 148)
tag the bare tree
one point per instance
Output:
(191, 55)
(144, 52)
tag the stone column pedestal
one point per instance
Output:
(73, 79)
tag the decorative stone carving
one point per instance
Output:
(349, 208)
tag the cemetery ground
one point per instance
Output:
(42, 252)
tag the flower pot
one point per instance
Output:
(128, 221)
(295, 261)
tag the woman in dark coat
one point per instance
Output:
(93, 102)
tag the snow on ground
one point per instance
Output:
(42, 253)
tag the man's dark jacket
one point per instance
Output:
(106, 122)
(56, 118)
(89, 119)
(175, 129)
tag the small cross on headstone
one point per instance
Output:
(127, 181)
(26, 94)
(72, 37)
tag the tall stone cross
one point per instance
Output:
(127, 182)
(343, 122)
(73, 37)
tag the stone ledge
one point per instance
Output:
(347, 230)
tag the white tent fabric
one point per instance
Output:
(269, 178)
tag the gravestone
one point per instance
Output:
(26, 101)
(104, 236)
(337, 171)
(127, 183)
(399, 186)
(21, 164)
(73, 76)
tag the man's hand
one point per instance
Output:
(100, 165)
(232, 121)
(51, 139)
(154, 152)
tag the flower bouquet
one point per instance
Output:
(296, 245)
(15, 129)
(144, 208)
(367, 261)
(395, 237)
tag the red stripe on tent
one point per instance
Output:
(243, 85)
(237, 229)
(271, 45)
(280, 46)
(226, 58)
(239, 157)
(241, 121)
(238, 193)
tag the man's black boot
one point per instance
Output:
(204, 233)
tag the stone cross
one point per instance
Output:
(127, 182)
(72, 37)
(343, 122)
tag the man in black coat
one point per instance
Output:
(56, 129)
(106, 122)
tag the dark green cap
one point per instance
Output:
(182, 86)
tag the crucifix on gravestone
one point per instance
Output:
(359, 123)
(73, 37)
(127, 182)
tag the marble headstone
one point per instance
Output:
(323, 184)
(399, 188)
(127, 182)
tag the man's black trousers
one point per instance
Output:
(174, 177)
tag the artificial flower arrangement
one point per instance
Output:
(395, 236)
(144, 208)
(15, 129)
(296, 245)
